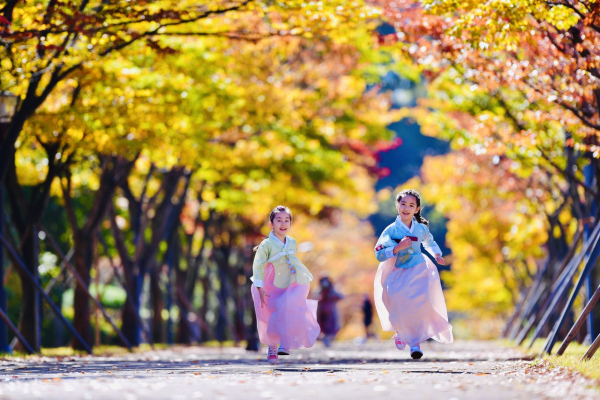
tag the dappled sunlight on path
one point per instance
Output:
(462, 370)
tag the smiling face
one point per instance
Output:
(407, 207)
(282, 221)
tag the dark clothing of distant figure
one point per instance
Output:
(368, 312)
(327, 313)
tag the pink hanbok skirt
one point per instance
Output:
(410, 301)
(289, 318)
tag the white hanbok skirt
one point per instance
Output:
(410, 301)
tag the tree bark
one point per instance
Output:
(115, 169)
(30, 315)
(137, 266)
(158, 305)
(83, 259)
(27, 213)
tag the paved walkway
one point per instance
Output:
(463, 370)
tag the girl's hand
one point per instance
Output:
(404, 244)
(263, 297)
(439, 259)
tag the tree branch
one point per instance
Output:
(69, 208)
(7, 11)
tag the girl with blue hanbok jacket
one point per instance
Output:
(408, 292)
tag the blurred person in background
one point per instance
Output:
(368, 316)
(327, 313)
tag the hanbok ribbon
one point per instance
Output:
(285, 253)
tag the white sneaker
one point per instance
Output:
(282, 351)
(272, 356)
(400, 345)
(415, 352)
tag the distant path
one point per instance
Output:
(464, 370)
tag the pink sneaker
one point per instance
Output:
(400, 345)
(272, 356)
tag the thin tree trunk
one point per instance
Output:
(26, 214)
(115, 169)
(130, 329)
(30, 315)
(158, 305)
(183, 334)
(204, 282)
(83, 259)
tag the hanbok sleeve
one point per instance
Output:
(384, 248)
(429, 243)
(258, 266)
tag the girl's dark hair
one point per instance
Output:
(272, 217)
(280, 209)
(416, 195)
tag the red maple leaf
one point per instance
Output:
(384, 172)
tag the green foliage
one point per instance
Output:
(111, 296)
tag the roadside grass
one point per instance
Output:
(112, 350)
(570, 359)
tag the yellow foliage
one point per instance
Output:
(495, 238)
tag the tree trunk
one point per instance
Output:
(158, 305)
(204, 281)
(115, 169)
(183, 333)
(239, 296)
(131, 329)
(26, 214)
(145, 252)
(30, 316)
(83, 259)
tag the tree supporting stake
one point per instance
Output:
(14, 329)
(19, 263)
(592, 350)
(85, 288)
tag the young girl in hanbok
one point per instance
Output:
(286, 319)
(408, 292)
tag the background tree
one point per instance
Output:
(229, 127)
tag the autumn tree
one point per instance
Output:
(516, 81)
(46, 42)
(294, 111)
